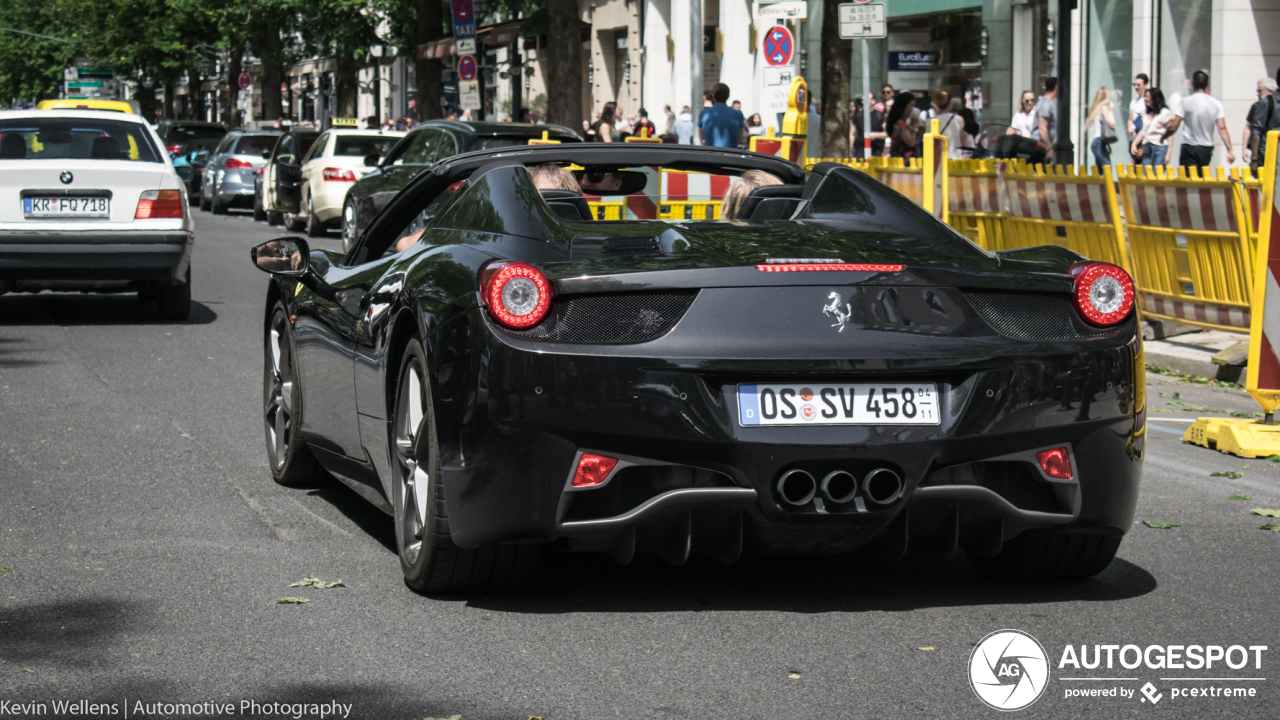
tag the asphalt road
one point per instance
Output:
(146, 546)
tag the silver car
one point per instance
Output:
(229, 173)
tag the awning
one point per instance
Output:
(499, 35)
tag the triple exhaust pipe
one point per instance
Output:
(881, 486)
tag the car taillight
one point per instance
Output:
(593, 469)
(261, 170)
(1103, 293)
(159, 204)
(237, 164)
(516, 294)
(173, 149)
(339, 175)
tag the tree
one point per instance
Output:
(833, 139)
(31, 67)
(563, 62)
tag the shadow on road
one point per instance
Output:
(368, 518)
(70, 309)
(571, 583)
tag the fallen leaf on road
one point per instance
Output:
(314, 581)
(6, 569)
(1160, 524)
(1273, 527)
(1161, 410)
(926, 649)
(1265, 512)
(1274, 458)
(1239, 497)
(27, 670)
(161, 652)
(794, 676)
(1245, 467)
(1227, 474)
(293, 601)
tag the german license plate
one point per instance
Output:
(73, 207)
(838, 404)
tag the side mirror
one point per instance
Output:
(287, 256)
(266, 154)
(372, 160)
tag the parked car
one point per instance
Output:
(230, 170)
(176, 133)
(89, 201)
(190, 161)
(282, 176)
(336, 161)
(831, 368)
(431, 142)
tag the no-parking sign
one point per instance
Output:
(464, 27)
(466, 68)
(778, 46)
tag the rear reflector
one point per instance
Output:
(159, 204)
(1056, 463)
(819, 267)
(593, 469)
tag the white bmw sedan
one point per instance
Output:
(89, 201)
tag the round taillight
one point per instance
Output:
(516, 294)
(1103, 294)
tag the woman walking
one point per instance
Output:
(902, 126)
(1153, 140)
(1102, 126)
(605, 131)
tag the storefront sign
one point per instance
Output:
(788, 9)
(913, 60)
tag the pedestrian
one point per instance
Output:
(1201, 113)
(1046, 128)
(737, 105)
(683, 126)
(1152, 141)
(644, 124)
(814, 135)
(721, 124)
(605, 131)
(901, 126)
(950, 125)
(1266, 87)
(1266, 117)
(1024, 121)
(670, 127)
(1102, 126)
(1138, 107)
(969, 132)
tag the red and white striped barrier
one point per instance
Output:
(1198, 312)
(1264, 336)
(1197, 209)
(683, 186)
(975, 195)
(1041, 198)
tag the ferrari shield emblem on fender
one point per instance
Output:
(834, 310)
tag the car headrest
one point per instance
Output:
(105, 148)
(568, 204)
(13, 147)
(771, 202)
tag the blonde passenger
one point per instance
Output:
(554, 177)
(739, 191)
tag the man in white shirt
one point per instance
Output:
(1138, 107)
(1200, 113)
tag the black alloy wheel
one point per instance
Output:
(291, 461)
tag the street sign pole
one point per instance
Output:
(866, 102)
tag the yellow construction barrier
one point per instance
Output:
(1192, 256)
(1252, 201)
(974, 200)
(905, 176)
(1075, 208)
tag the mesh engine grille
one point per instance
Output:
(612, 318)
(634, 485)
(1034, 316)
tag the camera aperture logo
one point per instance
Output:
(1009, 670)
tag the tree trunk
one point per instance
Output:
(833, 139)
(271, 51)
(147, 101)
(430, 27)
(236, 66)
(347, 89)
(170, 109)
(195, 95)
(563, 53)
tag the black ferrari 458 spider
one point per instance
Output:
(500, 370)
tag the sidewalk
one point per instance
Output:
(1193, 352)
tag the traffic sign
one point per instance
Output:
(461, 10)
(466, 68)
(244, 81)
(464, 26)
(778, 46)
(862, 20)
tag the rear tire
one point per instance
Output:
(293, 222)
(1048, 555)
(204, 199)
(216, 207)
(259, 212)
(289, 458)
(315, 228)
(430, 560)
(274, 218)
(174, 302)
